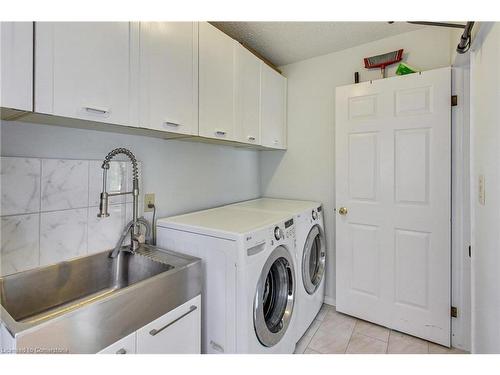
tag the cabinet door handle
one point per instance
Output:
(154, 332)
(251, 138)
(102, 111)
(172, 123)
(220, 133)
(121, 351)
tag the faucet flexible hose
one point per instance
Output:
(124, 151)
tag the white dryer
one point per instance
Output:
(310, 253)
(249, 276)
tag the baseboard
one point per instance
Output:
(329, 301)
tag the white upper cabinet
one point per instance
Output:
(247, 96)
(82, 70)
(216, 83)
(16, 61)
(177, 77)
(273, 108)
(169, 76)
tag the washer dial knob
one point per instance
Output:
(314, 214)
(278, 233)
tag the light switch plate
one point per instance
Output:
(149, 198)
(481, 190)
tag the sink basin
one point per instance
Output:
(86, 304)
(41, 293)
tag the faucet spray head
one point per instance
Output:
(103, 205)
(104, 198)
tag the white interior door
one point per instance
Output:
(393, 173)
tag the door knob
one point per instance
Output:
(343, 210)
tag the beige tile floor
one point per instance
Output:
(335, 333)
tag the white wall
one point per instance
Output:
(306, 170)
(485, 152)
(185, 176)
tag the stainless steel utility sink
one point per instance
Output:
(36, 295)
(86, 304)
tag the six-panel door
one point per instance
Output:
(393, 173)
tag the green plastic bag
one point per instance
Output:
(405, 69)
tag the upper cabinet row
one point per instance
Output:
(178, 77)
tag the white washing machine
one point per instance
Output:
(249, 296)
(310, 253)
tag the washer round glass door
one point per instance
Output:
(313, 260)
(274, 297)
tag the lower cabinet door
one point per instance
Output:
(124, 346)
(177, 332)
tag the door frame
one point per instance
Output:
(460, 208)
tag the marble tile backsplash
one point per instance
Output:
(49, 210)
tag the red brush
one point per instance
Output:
(381, 61)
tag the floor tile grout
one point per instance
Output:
(356, 322)
(350, 337)
(370, 337)
(388, 340)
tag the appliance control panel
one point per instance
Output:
(283, 231)
(255, 242)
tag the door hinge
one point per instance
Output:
(454, 312)
(454, 100)
(469, 251)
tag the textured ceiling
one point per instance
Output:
(287, 42)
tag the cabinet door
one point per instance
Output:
(82, 70)
(177, 332)
(16, 62)
(124, 346)
(216, 66)
(272, 110)
(247, 96)
(169, 76)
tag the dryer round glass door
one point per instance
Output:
(274, 297)
(313, 260)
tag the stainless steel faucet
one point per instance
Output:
(134, 226)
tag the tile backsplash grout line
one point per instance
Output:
(63, 209)
(88, 209)
(117, 160)
(87, 227)
(39, 212)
